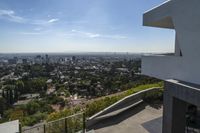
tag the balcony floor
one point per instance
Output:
(141, 119)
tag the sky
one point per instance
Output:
(80, 26)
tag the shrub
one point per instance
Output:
(153, 96)
(57, 115)
(33, 119)
(98, 105)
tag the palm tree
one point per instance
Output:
(9, 93)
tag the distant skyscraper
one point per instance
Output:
(13, 61)
(47, 58)
(73, 58)
(24, 61)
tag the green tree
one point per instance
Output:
(39, 84)
(3, 105)
(32, 107)
(63, 90)
(9, 96)
(20, 86)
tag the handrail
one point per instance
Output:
(45, 126)
(65, 118)
(33, 127)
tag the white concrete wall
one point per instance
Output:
(184, 17)
(120, 106)
(10, 127)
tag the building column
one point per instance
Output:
(174, 110)
(179, 119)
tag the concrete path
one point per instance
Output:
(141, 119)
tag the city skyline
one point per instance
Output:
(77, 26)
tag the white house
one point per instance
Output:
(181, 70)
(183, 16)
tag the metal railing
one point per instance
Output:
(71, 124)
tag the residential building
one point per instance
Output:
(180, 70)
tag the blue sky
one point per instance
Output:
(80, 26)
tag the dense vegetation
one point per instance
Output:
(101, 104)
(98, 83)
(97, 105)
(36, 110)
(30, 113)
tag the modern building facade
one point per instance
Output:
(179, 70)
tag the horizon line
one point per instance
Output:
(70, 52)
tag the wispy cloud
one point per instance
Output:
(86, 34)
(43, 22)
(30, 33)
(41, 32)
(10, 15)
(78, 22)
(53, 20)
(115, 36)
(37, 29)
(94, 35)
(34, 32)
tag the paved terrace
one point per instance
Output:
(141, 119)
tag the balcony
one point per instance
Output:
(183, 65)
(159, 17)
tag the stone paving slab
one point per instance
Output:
(141, 119)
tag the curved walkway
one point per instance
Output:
(141, 119)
